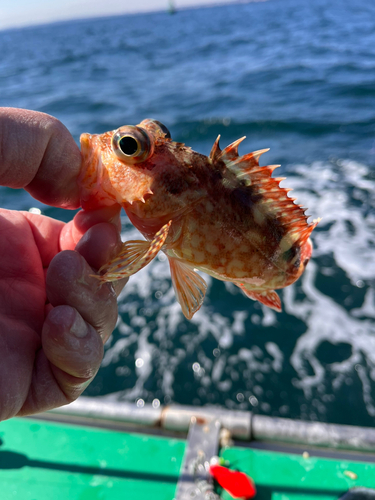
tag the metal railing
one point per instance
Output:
(242, 425)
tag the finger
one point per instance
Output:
(46, 233)
(71, 344)
(51, 235)
(99, 245)
(38, 153)
(88, 218)
(83, 220)
(70, 282)
(70, 357)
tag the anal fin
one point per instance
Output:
(189, 287)
(269, 297)
(134, 256)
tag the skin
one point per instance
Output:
(54, 319)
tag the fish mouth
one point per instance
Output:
(89, 179)
(86, 141)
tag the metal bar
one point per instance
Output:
(285, 430)
(178, 417)
(241, 425)
(100, 409)
(173, 418)
(195, 481)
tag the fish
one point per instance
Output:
(223, 214)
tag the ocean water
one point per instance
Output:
(298, 77)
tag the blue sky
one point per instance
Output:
(27, 12)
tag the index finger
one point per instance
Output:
(38, 153)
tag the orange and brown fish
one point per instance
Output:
(224, 214)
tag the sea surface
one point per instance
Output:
(294, 76)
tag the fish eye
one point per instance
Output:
(128, 145)
(163, 128)
(156, 127)
(131, 144)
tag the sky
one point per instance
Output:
(28, 12)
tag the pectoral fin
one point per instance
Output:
(269, 297)
(134, 255)
(189, 287)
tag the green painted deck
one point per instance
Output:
(50, 461)
(282, 476)
(42, 460)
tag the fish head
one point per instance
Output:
(138, 167)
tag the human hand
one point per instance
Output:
(54, 318)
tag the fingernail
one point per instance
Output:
(79, 327)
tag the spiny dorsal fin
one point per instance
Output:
(230, 153)
(302, 231)
(215, 151)
(242, 166)
(274, 200)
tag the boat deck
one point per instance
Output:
(46, 460)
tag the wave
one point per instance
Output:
(214, 125)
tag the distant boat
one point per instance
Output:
(171, 7)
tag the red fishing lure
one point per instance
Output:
(237, 483)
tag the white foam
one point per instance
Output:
(347, 233)
(153, 326)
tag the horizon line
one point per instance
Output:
(40, 23)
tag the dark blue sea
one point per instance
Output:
(295, 76)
